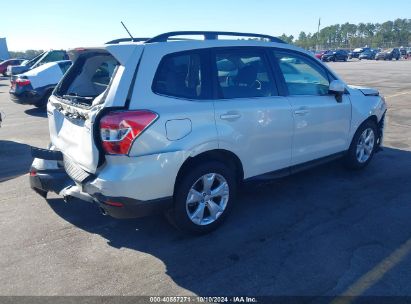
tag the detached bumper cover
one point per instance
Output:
(45, 174)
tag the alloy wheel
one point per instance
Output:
(365, 145)
(207, 199)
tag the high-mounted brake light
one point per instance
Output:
(22, 82)
(119, 129)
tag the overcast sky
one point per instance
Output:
(45, 24)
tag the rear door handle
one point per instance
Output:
(230, 116)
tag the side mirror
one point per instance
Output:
(337, 87)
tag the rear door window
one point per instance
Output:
(181, 75)
(88, 78)
(243, 74)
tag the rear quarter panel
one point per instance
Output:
(194, 117)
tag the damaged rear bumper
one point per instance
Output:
(48, 174)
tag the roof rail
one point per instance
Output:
(117, 41)
(211, 35)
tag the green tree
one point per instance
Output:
(388, 34)
(288, 39)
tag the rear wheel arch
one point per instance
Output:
(224, 156)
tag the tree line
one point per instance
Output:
(376, 35)
(28, 54)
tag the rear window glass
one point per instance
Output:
(179, 75)
(34, 60)
(53, 56)
(90, 76)
(64, 66)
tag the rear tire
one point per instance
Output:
(363, 146)
(203, 198)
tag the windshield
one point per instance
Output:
(31, 62)
(88, 78)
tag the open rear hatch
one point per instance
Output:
(100, 78)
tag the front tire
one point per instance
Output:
(363, 146)
(203, 198)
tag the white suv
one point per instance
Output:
(178, 125)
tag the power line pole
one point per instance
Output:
(318, 34)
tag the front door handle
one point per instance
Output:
(230, 116)
(301, 112)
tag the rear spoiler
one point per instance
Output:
(122, 53)
(75, 53)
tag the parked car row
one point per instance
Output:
(35, 86)
(32, 81)
(377, 54)
(363, 53)
(43, 58)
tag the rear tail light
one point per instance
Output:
(118, 130)
(22, 82)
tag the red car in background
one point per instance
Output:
(319, 54)
(4, 64)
